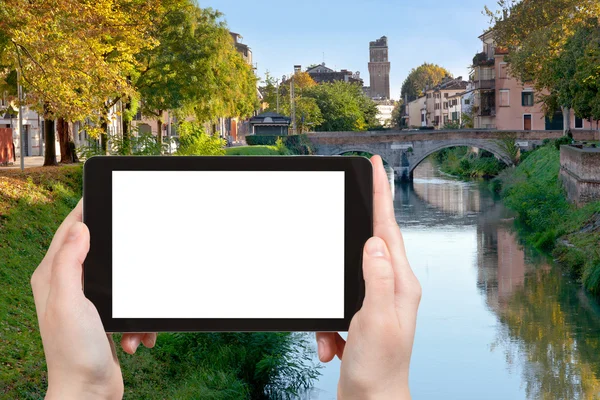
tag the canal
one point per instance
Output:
(497, 321)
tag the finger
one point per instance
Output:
(340, 345)
(74, 216)
(327, 346)
(384, 219)
(131, 341)
(379, 278)
(66, 270)
(149, 340)
(40, 280)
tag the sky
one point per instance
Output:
(283, 34)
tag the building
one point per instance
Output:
(437, 101)
(460, 104)
(503, 102)
(416, 112)
(379, 69)
(385, 109)
(322, 74)
(243, 49)
(270, 123)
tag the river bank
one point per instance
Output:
(214, 366)
(546, 218)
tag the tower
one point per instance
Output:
(379, 69)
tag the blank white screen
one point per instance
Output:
(228, 244)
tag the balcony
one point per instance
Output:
(484, 78)
(487, 104)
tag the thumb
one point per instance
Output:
(379, 276)
(67, 264)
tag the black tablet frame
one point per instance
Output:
(97, 215)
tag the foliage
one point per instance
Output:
(508, 143)
(536, 34)
(343, 106)
(420, 77)
(397, 114)
(143, 144)
(452, 125)
(468, 120)
(460, 161)
(195, 68)
(549, 221)
(296, 144)
(194, 142)
(44, 35)
(308, 113)
(563, 141)
(182, 366)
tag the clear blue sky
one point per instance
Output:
(282, 34)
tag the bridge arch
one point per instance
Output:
(482, 145)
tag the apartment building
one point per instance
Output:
(416, 112)
(437, 101)
(503, 102)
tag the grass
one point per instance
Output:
(252, 151)
(217, 366)
(548, 220)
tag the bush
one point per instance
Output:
(563, 141)
(296, 144)
(193, 141)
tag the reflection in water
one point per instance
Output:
(495, 322)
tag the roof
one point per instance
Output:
(270, 118)
(320, 66)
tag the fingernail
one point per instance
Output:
(375, 248)
(74, 232)
(134, 345)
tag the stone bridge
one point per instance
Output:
(404, 150)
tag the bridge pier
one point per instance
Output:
(403, 174)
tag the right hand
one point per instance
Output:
(376, 357)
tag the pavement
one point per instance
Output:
(30, 162)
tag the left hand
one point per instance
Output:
(81, 357)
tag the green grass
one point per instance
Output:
(547, 220)
(182, 366)
(252, 151)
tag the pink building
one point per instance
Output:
(505, 103)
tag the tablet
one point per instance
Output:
(226, 243)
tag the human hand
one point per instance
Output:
(376, 356)
(81, 357)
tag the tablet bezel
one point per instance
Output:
(97, 215)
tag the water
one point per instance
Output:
(496, 321)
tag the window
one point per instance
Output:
(455, 116)
(422, 117)
(437, 120)
(445, 119)
(578, 123)
(502, 73)
(504, 98)
(467, 102)
(428, 95)
(445, 105)
(527, 99)
(446, 95)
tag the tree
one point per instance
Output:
(308, 113)
(73, 56)
(420, 77)
(535, 32)
(343, 106)
(397, 114)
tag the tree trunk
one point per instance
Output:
(104, 136)
(159, 124)
(49, 140)
(127, 127)
(67, 147)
